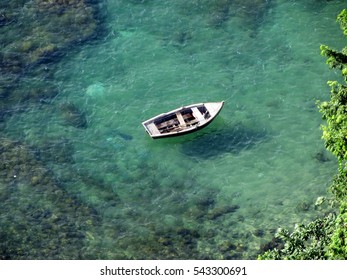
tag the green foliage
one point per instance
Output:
(335, 114)
(306, 242)
(339, 187)
(342, 19)
(335, 136)
(338, 246)
(335, 59)
(334, 111)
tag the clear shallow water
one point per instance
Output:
(219, 193)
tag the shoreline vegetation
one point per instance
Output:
(325, 238)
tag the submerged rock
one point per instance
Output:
(322, 157)
(72, 115)
(227, 246)
(274, 243)
(60, 150)
(303, 206)
(220, 211)
(218, 12)
(34, 34)
(39, 220)
(56, 24)
(96, 90)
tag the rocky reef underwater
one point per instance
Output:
(42, 220)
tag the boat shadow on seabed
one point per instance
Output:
(231, 139)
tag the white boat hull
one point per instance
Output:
(182, 120)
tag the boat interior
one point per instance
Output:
(182, 119)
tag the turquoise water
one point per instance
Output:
(100, 188)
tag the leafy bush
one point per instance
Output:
(305, 242)
(337, 248)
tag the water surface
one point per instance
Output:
(99, 187)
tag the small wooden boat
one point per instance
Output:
(182, 120)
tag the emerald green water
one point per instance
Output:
(219, 193)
